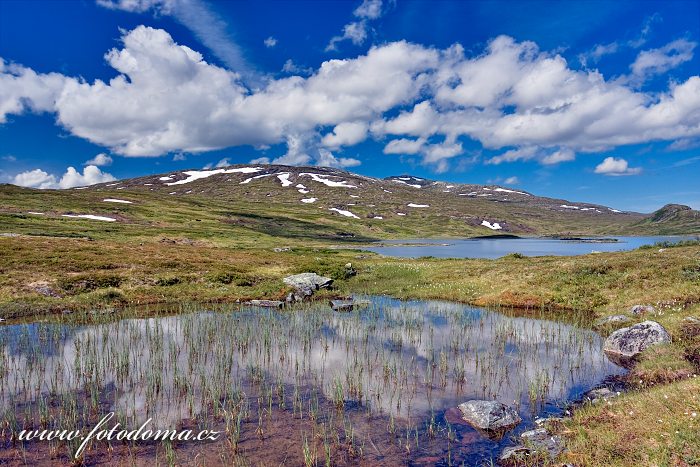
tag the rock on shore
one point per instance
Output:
(625, 344)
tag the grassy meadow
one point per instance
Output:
(172, 253)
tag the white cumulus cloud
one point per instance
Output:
(100, 160)
(90, 176)
(615, 167)
(346, 134)
(512, 97)
(38, 178)
(357, 31)
(658, 61)
(198, 17)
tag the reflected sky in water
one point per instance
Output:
(407, 359)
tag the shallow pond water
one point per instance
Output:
(496, 247)
(374, 386)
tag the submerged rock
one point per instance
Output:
(342, 305)
(642, 309)
(266, 303)
(625, 344)
(489, 415)
(536, 444)
(306, 284)
(348, 304)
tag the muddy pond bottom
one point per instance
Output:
(377, 386)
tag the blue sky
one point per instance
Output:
(588, 101)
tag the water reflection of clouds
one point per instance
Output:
(388, 351)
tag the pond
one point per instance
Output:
(376, 386)
(496, 247)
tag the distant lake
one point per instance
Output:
(496, 247)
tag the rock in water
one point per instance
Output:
(266, 303)
(342, 305)
(625, 344)
(306, 284)
(537, 444)
(489, 415)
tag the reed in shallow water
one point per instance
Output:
(350, 385)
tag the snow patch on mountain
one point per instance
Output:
(115, 200)
(320, 179)
(344, 213)
(193, 175)
(494, 226)
(90, 216)
(248, 180)
(511, 191)
(406, 183)
(284, 179)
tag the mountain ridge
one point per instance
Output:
(359, 205)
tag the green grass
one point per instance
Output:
(653, 426)
(167, 250)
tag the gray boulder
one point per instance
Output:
(600, 395)
(625, 344)
(536, 444)
(642, 309)
(43, 288)
(349, 270)
(489, 415)
(306, 284)
(540, 422)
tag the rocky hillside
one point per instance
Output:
(285, 198)
(670, 219)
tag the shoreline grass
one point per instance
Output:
(155, 273)
(49, 275)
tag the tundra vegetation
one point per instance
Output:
(145, 315)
